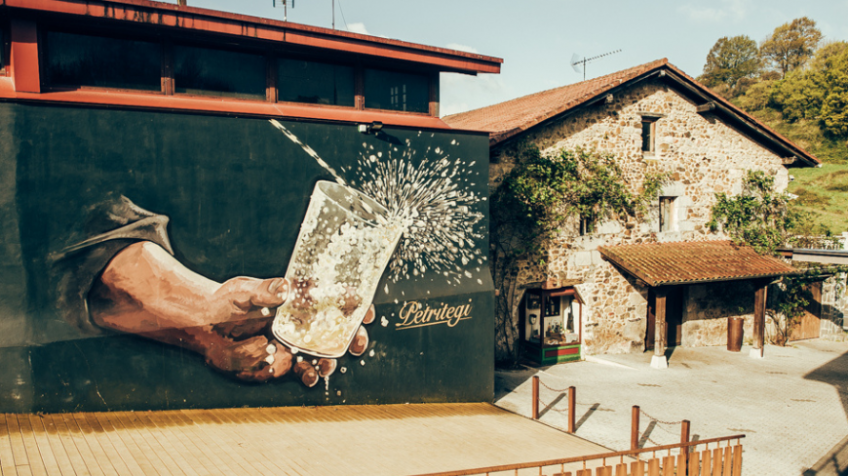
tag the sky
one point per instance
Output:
(538, 38)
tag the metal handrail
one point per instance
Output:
(579, 459)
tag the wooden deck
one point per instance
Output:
(368, 440)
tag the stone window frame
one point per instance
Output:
(649, 128)
(668, 207)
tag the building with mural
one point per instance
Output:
(617, 287)
(201, 209)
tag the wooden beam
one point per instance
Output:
(759, 318)
(659, 360)
(705, 108)
(24, 56)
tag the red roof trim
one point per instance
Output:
(200, 19)
(222, 106)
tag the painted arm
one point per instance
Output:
(146, 291)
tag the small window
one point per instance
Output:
(648, 132)
(315, 83)
(587, 226)
(219, 73)
(83, 60)
(396, 91)
(667, 222)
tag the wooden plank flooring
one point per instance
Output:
(350, 440)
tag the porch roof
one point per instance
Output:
(660, 264)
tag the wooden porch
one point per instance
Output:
(368, 440)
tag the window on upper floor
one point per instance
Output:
(667, 212)
(216, 72)
(74, 60)
(396, 91)
(315, 82)
(648, 135)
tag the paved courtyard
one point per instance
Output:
(792, 404)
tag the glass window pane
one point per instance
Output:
(82, 60)
(314, 82)
(396, 91)
(218, 72)
(647, 136)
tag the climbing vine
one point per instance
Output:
(540, 197)
(761, 218)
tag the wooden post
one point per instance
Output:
(658, 361)
(684, 438)
(759, 319)
(634, 428)
(181, 3)
(535, 411)
(572, 402)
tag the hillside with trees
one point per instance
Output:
(796, 82)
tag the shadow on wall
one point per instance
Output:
(835, 372)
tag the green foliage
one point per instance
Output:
(791, 45)
(758, 217)
(791, 301)
(539, 196)
(827, 206)
(542, 192)
(730, 60)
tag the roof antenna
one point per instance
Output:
(576, 62)
(285, 8)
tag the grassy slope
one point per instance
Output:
(823, 191)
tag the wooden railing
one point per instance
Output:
(718, 461)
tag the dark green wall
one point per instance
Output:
(236, 191)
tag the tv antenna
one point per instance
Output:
(576, 62)
(285, 7)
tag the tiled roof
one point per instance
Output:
(510, 118)
(694, 261)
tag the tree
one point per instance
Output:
(730, 60)
(791, 45)
(537, 199)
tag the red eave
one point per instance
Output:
(210, 21)
(220, 106)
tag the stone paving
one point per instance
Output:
(792, 405)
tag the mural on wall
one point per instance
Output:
(395, 223)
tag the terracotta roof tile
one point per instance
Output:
(507, 119)
(694, 261)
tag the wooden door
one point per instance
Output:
(673, 317)
(808, 325)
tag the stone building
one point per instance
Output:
(614, 282)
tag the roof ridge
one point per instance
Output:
(661, 62)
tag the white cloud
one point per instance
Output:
(458, 47)
(462, 92)
(724, 10)
(358, 28)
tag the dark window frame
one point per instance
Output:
(393, 69)
(168, 40)
(649, 132)
(175, 43)
(5, 46)
(44, 46)
(356, 70)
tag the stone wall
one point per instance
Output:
(707, 307)
(704, 157)
(834, 307)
